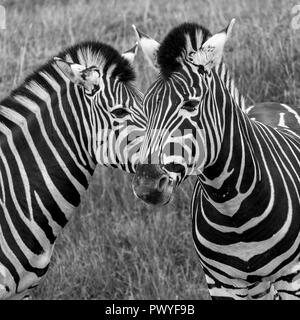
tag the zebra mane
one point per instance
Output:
(186, 37)
(88, 53)
(177, 42)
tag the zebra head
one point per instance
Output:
(178, 141)
(105, 82)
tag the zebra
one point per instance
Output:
(245, 204)
(272, 113)
(277, 115)
(79, 109)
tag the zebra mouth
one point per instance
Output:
(153, 185)
(155, 198)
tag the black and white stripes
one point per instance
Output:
(246, 202)
(73, 113)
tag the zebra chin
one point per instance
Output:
(152, 184)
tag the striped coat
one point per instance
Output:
(246, 201)
(74, 112)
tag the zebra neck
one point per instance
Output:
(43, 133)
(233, 173)
(229, 83)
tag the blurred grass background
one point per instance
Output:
(115, 246)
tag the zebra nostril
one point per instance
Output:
(163, 183)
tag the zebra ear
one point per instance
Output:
(130, 54)
(149, 47)
(78, 74)
(211, 52)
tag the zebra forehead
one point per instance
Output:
(179, 42)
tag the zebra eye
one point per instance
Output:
(190, 105)
(120, 112)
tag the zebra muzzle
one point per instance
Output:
(152, 184)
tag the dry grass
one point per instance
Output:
(116, 247)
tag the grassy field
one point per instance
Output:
(115, 246)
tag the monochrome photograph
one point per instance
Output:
(150, 151)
